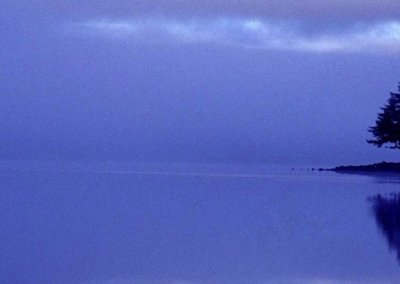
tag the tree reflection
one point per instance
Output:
(387, 215)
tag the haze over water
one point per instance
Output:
(192, 224)
(132, 135)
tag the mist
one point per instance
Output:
(79, 97)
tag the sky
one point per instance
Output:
(196, 81)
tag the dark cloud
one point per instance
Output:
(365, 10)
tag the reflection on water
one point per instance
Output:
(387, 215)
(200, 224)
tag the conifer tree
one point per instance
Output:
(387, 126)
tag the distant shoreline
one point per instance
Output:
(383, 167)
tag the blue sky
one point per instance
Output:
(196, 81)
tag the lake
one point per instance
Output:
(123, 223)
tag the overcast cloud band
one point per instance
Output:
(247, 33)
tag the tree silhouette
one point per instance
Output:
(387, 126)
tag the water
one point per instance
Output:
(195, 224)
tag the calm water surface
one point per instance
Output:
(196, 224)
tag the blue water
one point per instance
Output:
(99, 223)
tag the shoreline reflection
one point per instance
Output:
(386, 210)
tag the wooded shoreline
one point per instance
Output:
(382, 167)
